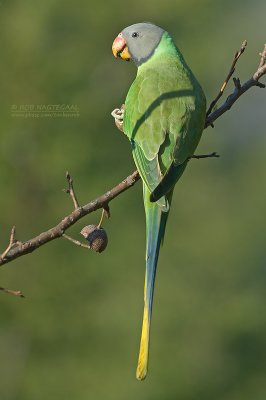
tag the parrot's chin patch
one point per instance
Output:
(124, 54)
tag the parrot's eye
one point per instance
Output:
(135, 34)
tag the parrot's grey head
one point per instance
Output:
(137, 41)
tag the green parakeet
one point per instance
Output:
(163, 119)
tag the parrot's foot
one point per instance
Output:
(118, 114)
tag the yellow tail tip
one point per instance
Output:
(144, 347)
(141, 373)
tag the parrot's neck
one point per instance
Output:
(166, 51)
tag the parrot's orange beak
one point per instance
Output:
(120, 49)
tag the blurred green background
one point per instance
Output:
(76, 334)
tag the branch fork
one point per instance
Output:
(12, 242)
(240, 89)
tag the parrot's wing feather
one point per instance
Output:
(150, 173)
(144, 121)
(168, 181)
(145, 124)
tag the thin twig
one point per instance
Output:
(262, 66)
(239, 90)
(102, 217)
(230, 73)
(16, 293)
(211, 155)
(70, 190)
(76, 242)
(12, 241)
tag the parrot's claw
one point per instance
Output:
(118, 114)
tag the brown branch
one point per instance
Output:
(230, 73)
(211, 116)
(19, 249)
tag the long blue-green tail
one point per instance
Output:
(155, 227)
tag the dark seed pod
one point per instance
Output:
(97, 237)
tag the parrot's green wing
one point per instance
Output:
(158, 117)
(145, 134)
(150, 172)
